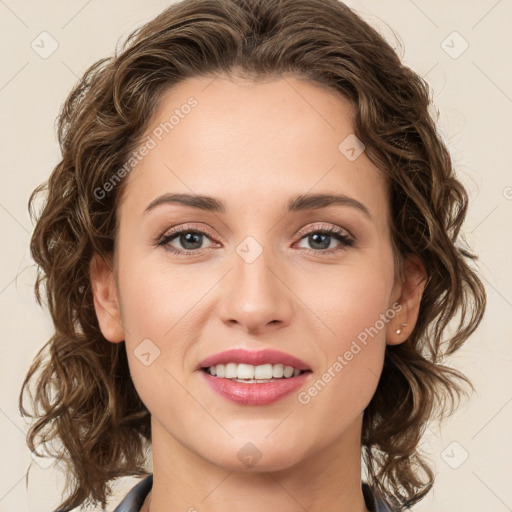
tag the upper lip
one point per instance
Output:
(255, 358)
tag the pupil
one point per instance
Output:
(189, 238)
(314, 239)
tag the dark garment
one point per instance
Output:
(136, 496)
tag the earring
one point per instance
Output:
(399, 331)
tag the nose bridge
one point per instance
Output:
(255, 296)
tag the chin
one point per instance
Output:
(258, 456)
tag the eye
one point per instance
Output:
(321, 237)
(190, 239)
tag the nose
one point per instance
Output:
(255, 296)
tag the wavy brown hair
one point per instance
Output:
(84, 397)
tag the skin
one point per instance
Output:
(254, 145)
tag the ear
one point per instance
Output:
(408, 294)
(106, 301)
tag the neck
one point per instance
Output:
(146, 505)
(330, 479)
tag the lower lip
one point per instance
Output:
(255, 394)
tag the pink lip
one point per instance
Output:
(255, 394)
(255, 358)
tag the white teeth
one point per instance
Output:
(288, 371)
(264, 372)
(231, 372)
(243, 371)
(277, 371)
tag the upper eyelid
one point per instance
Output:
(326, 227)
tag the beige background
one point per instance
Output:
(474, 96)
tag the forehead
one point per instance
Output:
(253, 144)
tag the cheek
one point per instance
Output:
(151, 304)
(154, 294)
(352, 304)
(162, 306)
(352, 354)
(348, 300)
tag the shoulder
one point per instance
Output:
(133, 501)
(375, 503)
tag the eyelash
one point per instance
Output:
(335, 232)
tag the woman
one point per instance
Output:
(249, 251)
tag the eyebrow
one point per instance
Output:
(297, 203)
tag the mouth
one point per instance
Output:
(254, 377)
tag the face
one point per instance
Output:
(317, 283)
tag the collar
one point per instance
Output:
(133, 501)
